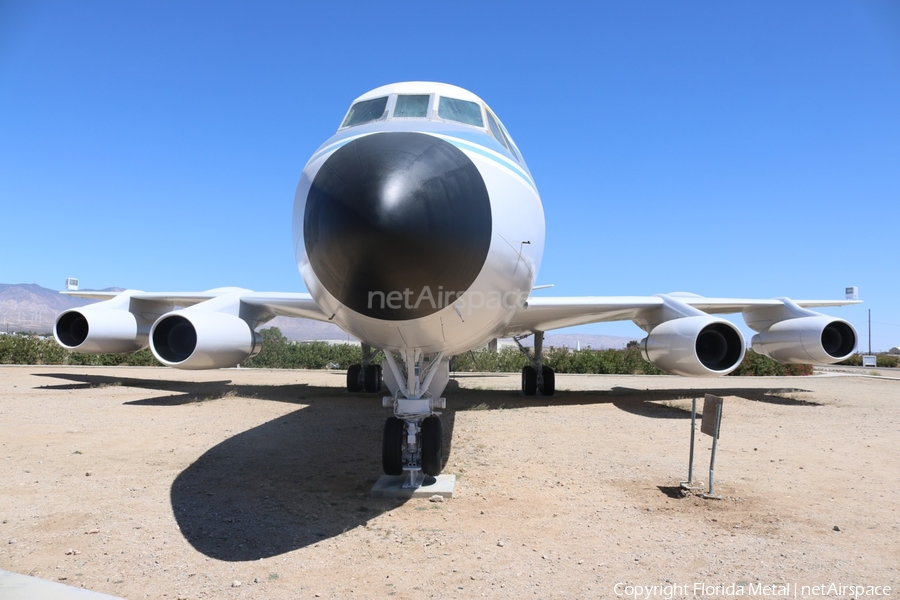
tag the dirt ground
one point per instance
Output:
(156, 483)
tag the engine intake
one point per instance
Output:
(203, 340)
(807, 340)
(100, 331)
(699, 346)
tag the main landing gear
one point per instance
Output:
(365, 377)
(413, 437)
(536, 377)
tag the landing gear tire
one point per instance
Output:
(353, 378)
(392, 446)
(432, 446)
(373, 378)
(529, 381)
(548, 386)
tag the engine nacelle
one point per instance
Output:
(191, 339)
(94, 330)
(698, 346)
(807, 340)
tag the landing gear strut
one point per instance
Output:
(413, 437)
(536, 377)
(365, 377)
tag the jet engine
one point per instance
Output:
(697, 346)
(94, 330)
(815, 339)
(192, 339)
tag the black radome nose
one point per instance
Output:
(397, 224)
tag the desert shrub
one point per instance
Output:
(280, 353)
(888, 360)
(761, 365)
(853, 361)
(320, 355)
(27, 350)
(883, 360)
(561, 360)
(505, 360)
(141, 358)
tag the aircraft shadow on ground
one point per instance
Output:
(283, 485)
(286, 484)
(304, 477)
(186, 392)
(655, 404)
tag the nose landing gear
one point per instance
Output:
(413, 437)
(413, 447)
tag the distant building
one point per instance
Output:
(894, 350)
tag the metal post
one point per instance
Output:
(712, 458)
(690, 482)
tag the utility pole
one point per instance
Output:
(870, 331)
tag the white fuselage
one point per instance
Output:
(464, 318)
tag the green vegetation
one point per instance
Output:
(761, 365)
(561, 360)
(883, 360)
(22, 350)
(280, 353)
(613, 362)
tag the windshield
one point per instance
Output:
(461, 111)
(411, 106)
(365, 112)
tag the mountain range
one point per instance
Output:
(27, 307)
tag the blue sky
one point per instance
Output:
(747, 149)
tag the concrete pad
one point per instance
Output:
(23, 587)
(391, 486)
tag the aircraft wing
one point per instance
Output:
(286, 304)
(548, 313)
(187, 330)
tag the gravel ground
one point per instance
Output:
(156, 483)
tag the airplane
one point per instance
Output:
(418, 229)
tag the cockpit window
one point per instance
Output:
(411, 106)
(495, 129)
(461, 111)
(500, 133)
(365, 112)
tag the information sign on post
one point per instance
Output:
(712, 406)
